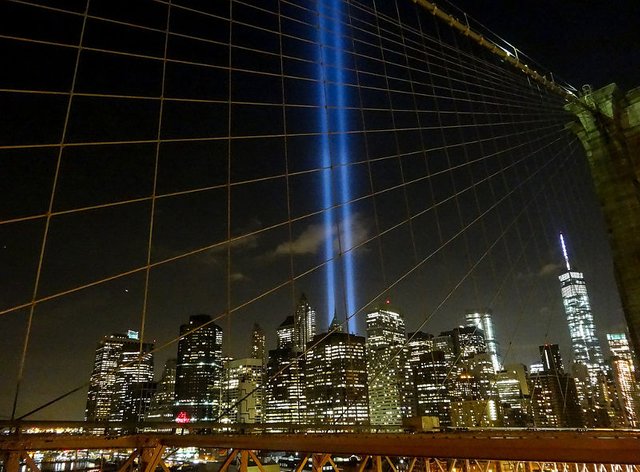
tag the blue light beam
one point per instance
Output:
(334, 120)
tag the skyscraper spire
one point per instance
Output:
(564, 252)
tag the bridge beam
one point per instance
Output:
(611, 138)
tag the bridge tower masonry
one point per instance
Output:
(609, 129)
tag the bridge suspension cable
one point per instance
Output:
(224, 159)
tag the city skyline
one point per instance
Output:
(402, 377)
(236, 169)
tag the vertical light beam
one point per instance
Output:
(327, 187)
(334, 121)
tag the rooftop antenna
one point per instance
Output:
(564, 252)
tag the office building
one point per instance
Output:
(242, 391)
(285, 401)
(120, 386)
(554, 397)
(389, 384)
(482, 320)
(514, 396)
(624, 380)
(304, 323)
(199, 370)
(432, 384)
(336, 380)
(584, 342)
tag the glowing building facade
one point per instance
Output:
(199, 370)
(336, 380)
(386, 366)
(584, 342)
(122, 370)
(482, 320)
(242, 391)
(624, 379)
(285, 401)
(431, 380)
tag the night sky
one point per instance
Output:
(262, 189)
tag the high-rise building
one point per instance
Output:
(285, 334)
(336, 380)
(133, 386)
(514, 394)
(551, 358)
(419, 343)
(161, 407)
(122, 366)
(285, 401)
(386, 366)
(305, 323)
(584, 342)
(474, 395)
(626, 388)
(242, 391)
(432, 382)
(554, 396)
(467, 341)
(620, 347)
(258, 343)
(199, 370)
(482, 320)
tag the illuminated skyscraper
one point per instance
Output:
(482, 320)
(304, 323)
(117, 372)
(620, 347)
(133, 386)
(242, 391)
(336, 380)
(514, 394)
(626, 388)
(584, 343)
(285, 334)
(431, 379)
(199, 370)
(285, 400)
(385, 365)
